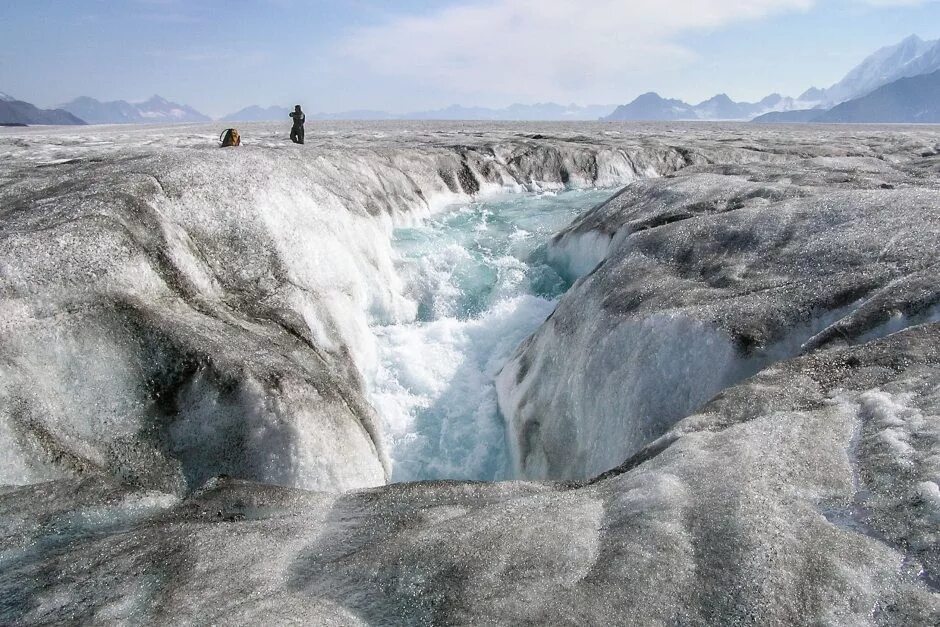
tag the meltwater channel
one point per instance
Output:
(479, 276)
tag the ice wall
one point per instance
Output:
(692, 283)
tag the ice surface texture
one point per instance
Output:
(696, 281)
(761, 509)
(172, 312)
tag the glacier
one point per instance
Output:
(700, 282)
(465, 373)
(208, 311)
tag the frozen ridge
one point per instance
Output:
(740, 391)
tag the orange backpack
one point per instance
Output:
(230, 137)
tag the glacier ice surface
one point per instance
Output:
(174, 311)
(702, 279)
(195, 342)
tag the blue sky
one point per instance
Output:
(221, 55)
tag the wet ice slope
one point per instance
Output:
(480, 280)
(143, 351)
(705, 278)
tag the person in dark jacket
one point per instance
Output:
(297, 131)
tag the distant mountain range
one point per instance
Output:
(907, 100)
(156, 110)
(13, 111)
(275, 113)
(888, 66)
(877, 94)
(915, 99)
(860, 91)
(910, 57)
(356, 114)
(548, 111)
(652, 106)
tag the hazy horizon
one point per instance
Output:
(425, 54)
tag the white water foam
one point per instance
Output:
(480, 281)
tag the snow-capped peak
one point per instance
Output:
(906, 58)
(156, 109)
(155, 100)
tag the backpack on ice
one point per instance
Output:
(230, 137)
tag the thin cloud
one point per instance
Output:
(214, 56)
(546, 48)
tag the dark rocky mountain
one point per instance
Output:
(908, 100)
(17, 112)
(652, 106)
(721, 107)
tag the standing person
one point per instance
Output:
(297, 131)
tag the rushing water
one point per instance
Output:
(479, 276)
